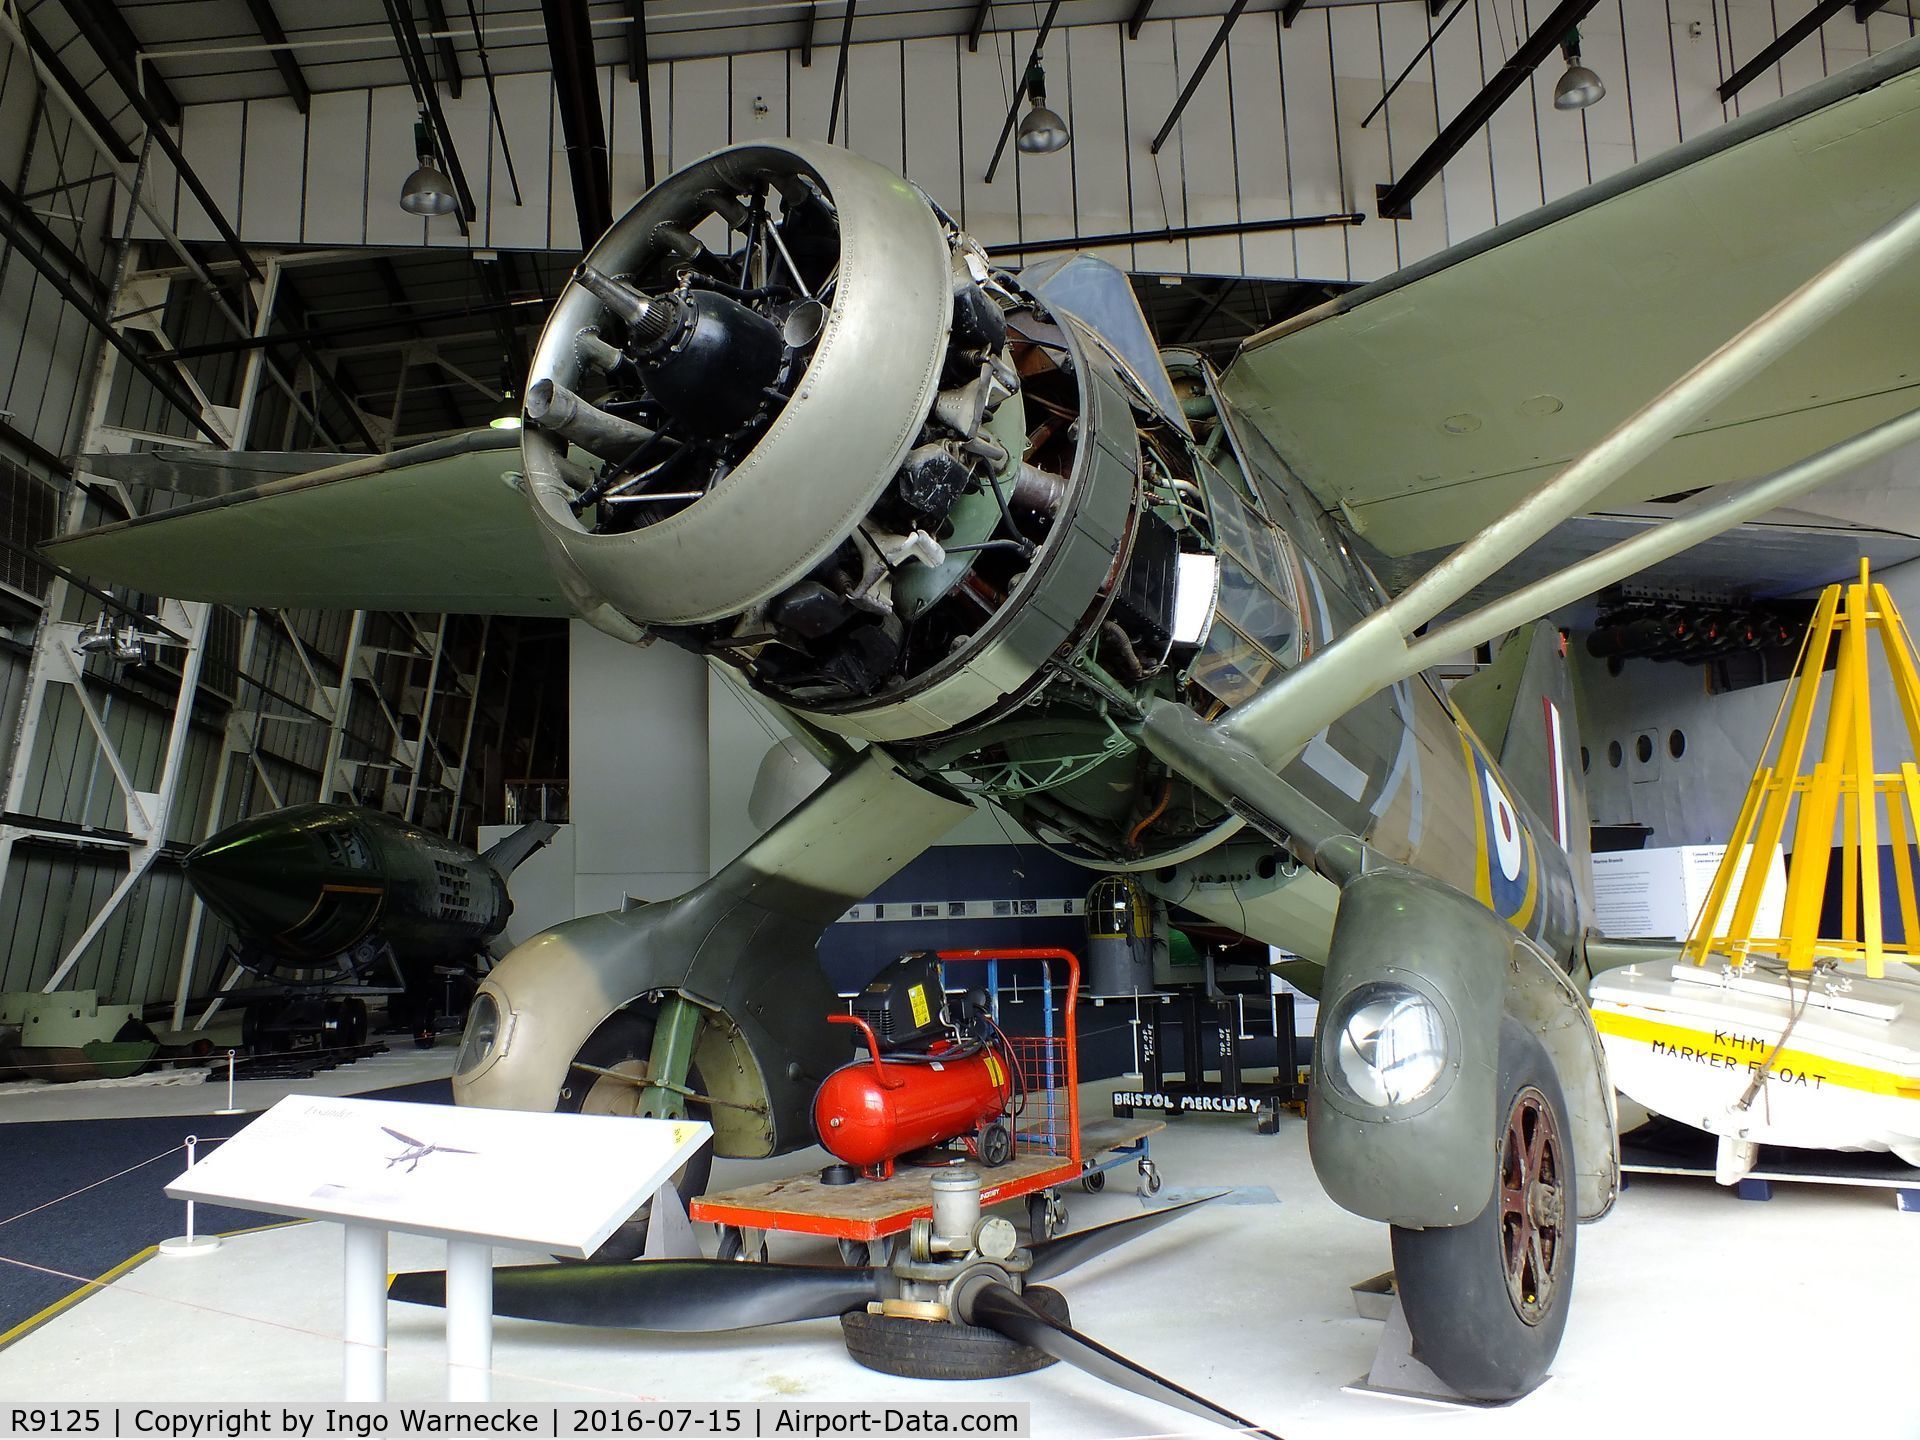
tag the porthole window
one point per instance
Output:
(1676, 743)
(1643, 748)
(1614, 754)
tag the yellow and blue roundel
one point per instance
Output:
(1506, 872)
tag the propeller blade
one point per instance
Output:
(1061, 1254)
(686, 1296)
(997, 1307)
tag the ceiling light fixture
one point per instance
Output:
(1579, 87)
(1042, 132)
(427, 191)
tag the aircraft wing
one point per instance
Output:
(435, 528)
(1425, 405)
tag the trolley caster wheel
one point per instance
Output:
(1149, 1178)
(1094, 1181)
(733, 1246)
(995, 1145)
(858, 1253)
(1046, 1215)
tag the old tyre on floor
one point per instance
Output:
(1486, 1302)
(941, 1350)
(623, 1044)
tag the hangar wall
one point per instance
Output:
(1695, 799)
(1273, 131)
(64, 834)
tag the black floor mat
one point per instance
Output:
(92, 1232)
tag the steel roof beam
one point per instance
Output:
(1139, 17)
(576, 79)
(1769, 55)
(840, 72)
(443, 47)
(407, 35)
(1396, 200)
(107, 31)
(295, 79)
(311, 333)
(1199, 74)
(1020, 90)
(1290, 12)
(979, 24)
(639, 71)
(64, 80)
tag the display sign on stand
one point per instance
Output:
(524, 1180)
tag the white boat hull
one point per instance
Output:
(1692, 1043)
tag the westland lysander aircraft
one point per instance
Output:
(974, 541)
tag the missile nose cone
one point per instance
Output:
(262, 876)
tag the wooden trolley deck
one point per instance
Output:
(874, 1209)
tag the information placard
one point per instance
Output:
(524, 1179)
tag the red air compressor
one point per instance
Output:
(937, 1068)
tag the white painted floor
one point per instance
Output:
(178, 1092)
(1796, 1317)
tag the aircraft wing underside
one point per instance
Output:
(1425, 405)
(435, 528)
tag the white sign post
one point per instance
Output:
(557, 1184)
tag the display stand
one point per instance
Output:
(459, 1175)
(1395, 1372)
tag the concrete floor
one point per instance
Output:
(1797, 1316)
(178, 1092)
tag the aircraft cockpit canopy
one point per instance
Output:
(1101, 297)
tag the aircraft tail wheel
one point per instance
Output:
(1486, 1302)
(1149, 1178)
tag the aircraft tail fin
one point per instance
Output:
(1522, 708)
(507, 854)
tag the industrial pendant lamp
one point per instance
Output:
(1579, 87)
(427, 191)
(1042, 132)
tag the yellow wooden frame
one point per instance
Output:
(1841, 786)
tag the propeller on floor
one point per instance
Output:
(705, 1296)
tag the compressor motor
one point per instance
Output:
(938, 1068)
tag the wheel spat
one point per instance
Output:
(996, 1307)
(683, 1296)
(1062, 1253)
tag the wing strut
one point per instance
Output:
(1381, 649)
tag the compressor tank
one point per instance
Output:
(873, 1111)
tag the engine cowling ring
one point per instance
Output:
(821, 463)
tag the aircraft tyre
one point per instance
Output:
(623, 1042)
(1486, 1302)
(942, 1350)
